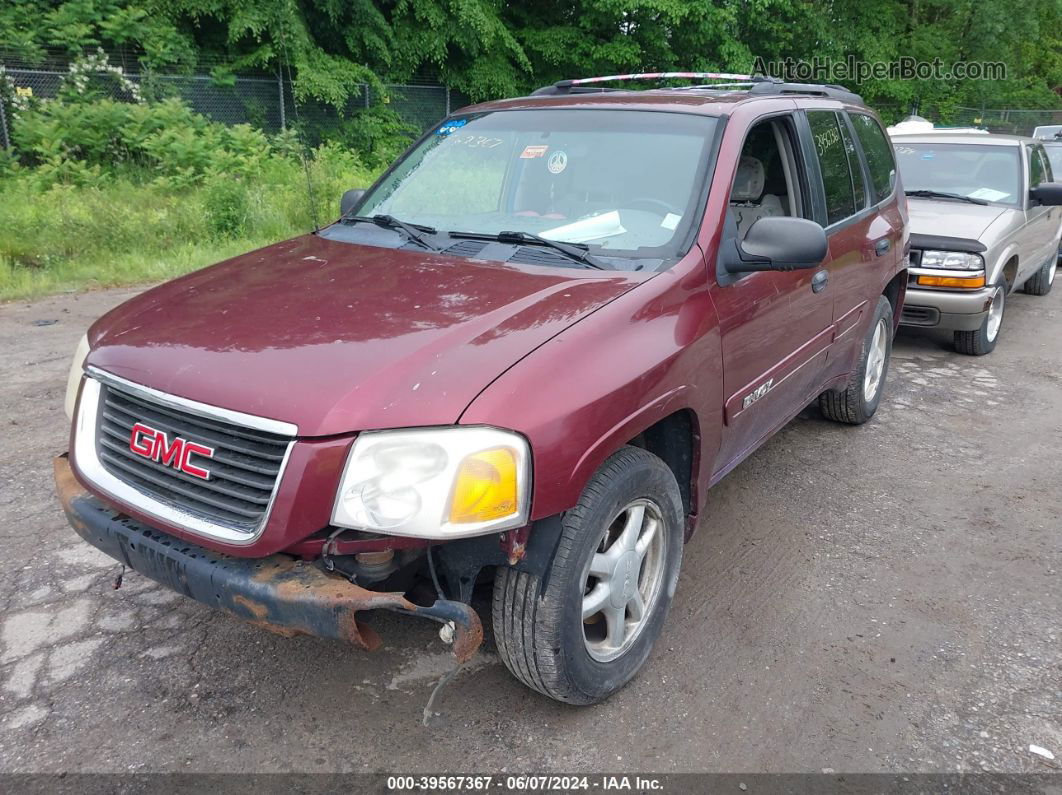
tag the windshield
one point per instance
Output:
(625, 183)
(989, 173)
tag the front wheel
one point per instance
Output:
(983, 340)
(858, 401)
(584, 630)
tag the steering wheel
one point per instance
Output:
(653, 205)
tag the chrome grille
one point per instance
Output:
(243, 471)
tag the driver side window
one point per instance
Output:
(1037, 171)
(767, 182)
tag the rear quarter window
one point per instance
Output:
(878, 152)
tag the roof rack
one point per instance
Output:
(585, 85)
(814, 89)
(758, 85)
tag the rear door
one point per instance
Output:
(862, 241)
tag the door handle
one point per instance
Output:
(882, 246)
(819, 281)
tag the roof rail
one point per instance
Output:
(814, 89)
(757, 85)
(584, 85)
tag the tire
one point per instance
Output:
(857, 402)
(983, 340)
(539, 623)
(1043, 280)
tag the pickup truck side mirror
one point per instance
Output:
(1047, 194)
(777, 243)
(349, 199)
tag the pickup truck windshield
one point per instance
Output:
(978, 171)
(623, 183)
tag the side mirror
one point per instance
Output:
(778, 243)
(1047, 194)
(349, 199)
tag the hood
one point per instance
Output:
(336, 337)
(948, 218)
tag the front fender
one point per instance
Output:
(604, 380)
(996, 259)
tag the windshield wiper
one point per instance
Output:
(574, 251)
(412, 231)
(936, 194)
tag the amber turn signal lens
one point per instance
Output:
(485, 487)
(952, 281)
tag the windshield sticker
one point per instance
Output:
(558, 161)
(535, 150)
(671, 221)
(451, 126)
(989, 194)
(929, 155)
(478, 141)
(904, 150)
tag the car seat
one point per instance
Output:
(748, 203)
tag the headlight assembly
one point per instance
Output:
(437, 483)
(952, 260)
(73, 379)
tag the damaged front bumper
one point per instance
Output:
(279, 593)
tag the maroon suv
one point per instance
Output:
(525, 354)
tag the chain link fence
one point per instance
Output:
(263, 101)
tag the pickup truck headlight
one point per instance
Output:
(437, 483)
(73, 379)
(952, 260)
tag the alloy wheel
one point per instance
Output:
(624, 579)
(879, 346)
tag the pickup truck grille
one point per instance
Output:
(243, 471)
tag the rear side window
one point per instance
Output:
(833, 162)
(878, 152)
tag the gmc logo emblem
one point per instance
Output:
(155, 445)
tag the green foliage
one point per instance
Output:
(226, 206)
(487, 48)
(180, 147)
(68, 234)
(111, 158)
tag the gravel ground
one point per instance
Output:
(885, 598)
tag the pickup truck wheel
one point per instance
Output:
(984, 339)
(1042, 281)
(584, 630)
(858, 401)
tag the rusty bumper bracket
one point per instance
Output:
(279, 593)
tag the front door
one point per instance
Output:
(775, 326)
(1041, 222)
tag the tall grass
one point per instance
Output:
(132, 229)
